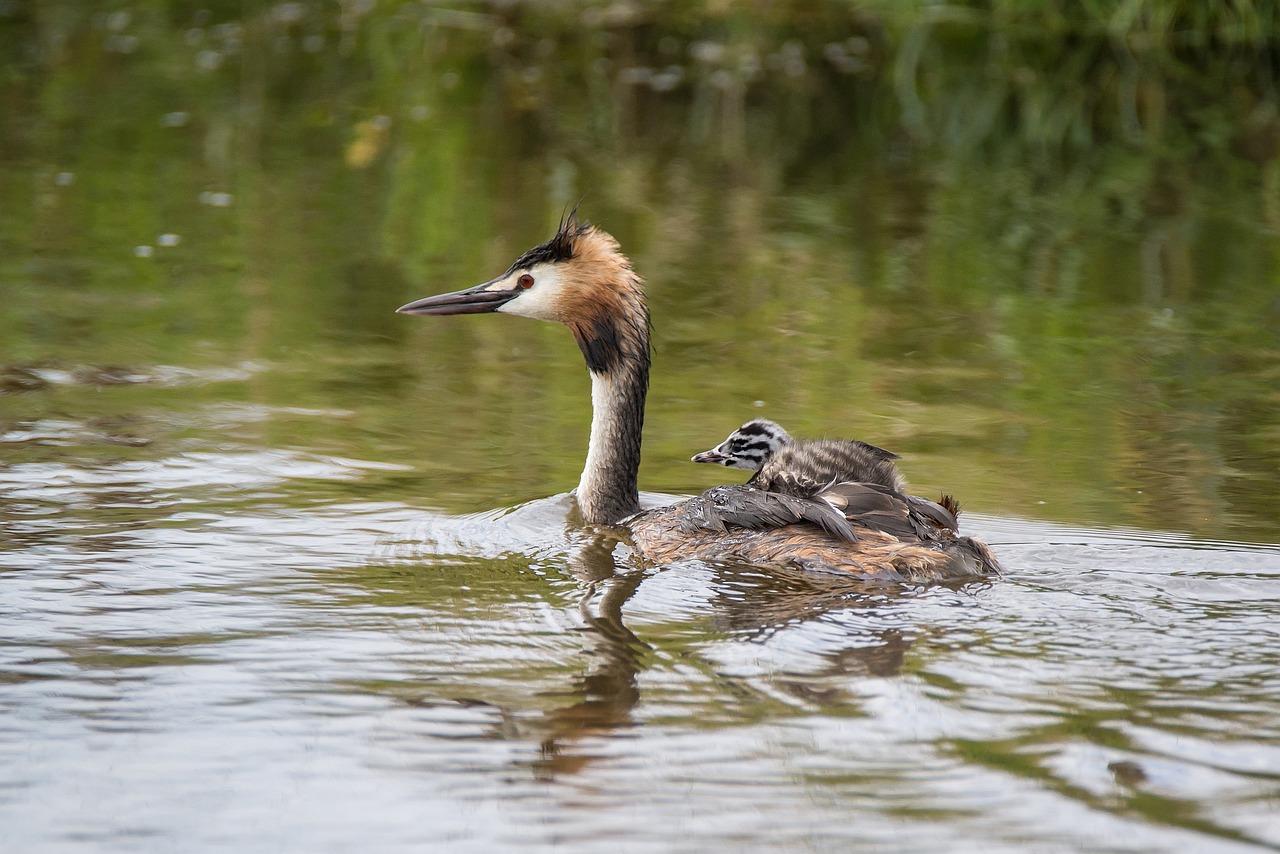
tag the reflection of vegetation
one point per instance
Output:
(1030, 244)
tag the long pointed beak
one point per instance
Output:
(477, 300)
(711, 456)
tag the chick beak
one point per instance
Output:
(711, 456)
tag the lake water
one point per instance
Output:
(283, 570)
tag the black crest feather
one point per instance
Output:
(562, 246)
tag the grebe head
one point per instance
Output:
(748, 447)
(579, 278)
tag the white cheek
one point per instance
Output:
(540, 301)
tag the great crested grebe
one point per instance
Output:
(783, 464)
(580, 278)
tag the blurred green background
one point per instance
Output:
(1030, 245)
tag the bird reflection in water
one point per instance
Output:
(750, 603)
(601, 700)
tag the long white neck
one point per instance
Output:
(608, 490)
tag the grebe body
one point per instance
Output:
(581, 279)
(890, 539)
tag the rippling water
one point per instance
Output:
(259, 585)
(240, 673)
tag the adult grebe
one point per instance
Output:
(580, 278)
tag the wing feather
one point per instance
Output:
(744, 506)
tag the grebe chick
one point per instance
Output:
(581, 279)
(814, 468)
(802, 467)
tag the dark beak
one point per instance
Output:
(711, 456)
(475, 300)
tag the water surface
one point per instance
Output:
(281, 569)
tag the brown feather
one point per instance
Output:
(892, 535)
(875, 555)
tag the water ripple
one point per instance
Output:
(231, 660)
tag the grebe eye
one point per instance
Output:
(525, 281)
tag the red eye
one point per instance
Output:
(525, 281)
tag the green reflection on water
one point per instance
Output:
(1043, 274)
